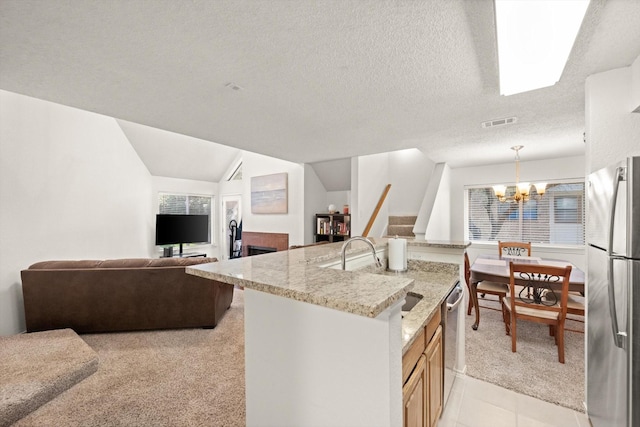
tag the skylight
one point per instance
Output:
(535, 38)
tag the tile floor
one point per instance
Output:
(475, 403)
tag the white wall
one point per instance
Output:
(71, 187)
(315, 201)
(196, 188)
(613, 131)
(337, 198)
(439, 225)
(428, 201)
(228, 188)
(292, 222)
(369, 175)
(635, 85)
(409, 173)
(308, 365)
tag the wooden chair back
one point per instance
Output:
(514, 248)
(484, 287)
(534, 290)
(467, 270)
(536, 300)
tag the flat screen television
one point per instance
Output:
(178, 229)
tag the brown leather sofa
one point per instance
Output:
(121, 295)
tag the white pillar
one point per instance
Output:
(420, 227)
(308, 365)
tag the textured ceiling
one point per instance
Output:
(319, 80)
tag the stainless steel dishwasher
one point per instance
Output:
(450, 316)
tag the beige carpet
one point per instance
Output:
(195, 377)
(533, 369)
(37, 367)
(187, 377)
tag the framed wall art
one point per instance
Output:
(269, 194)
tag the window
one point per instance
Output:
(236, 174)
(186, 204)
(566, 209)
(555, 218)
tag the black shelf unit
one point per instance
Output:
(332, 227)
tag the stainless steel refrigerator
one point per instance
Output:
(613, 295)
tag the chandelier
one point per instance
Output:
(522, 190)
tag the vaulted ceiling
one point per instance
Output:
(308, 81)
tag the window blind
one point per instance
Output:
(555, 218)
(185, 204)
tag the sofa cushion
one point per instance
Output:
(64, 265)
(125, 263)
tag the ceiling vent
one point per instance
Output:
(233, 86)
(499, 122)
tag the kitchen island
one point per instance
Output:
(324, 346)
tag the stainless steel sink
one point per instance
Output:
(410, 301)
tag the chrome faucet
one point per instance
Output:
(363, 239)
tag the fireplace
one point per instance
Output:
(257, 250)
(263, 242)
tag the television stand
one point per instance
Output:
(187, 255)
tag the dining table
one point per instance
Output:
(496, 269)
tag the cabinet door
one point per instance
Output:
(435, 373)
(414, 396)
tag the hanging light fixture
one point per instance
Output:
(522, 189)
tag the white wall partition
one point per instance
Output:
(369, 177)
(635, 85)
(409, 174)
(71, 187)
(314, 201)
(308, 365)
(439, 224)
(613, 129)
(228, 190)
(293, 221)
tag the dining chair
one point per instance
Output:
(542, 304)
(575, 306)
(500, 289)
(514, 248)
(485, 287)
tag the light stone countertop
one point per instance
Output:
(447, 244)
(296, 274)
(433, 281)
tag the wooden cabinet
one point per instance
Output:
(435, 378)
(423, 376)
(414, 399)
(332, 227)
